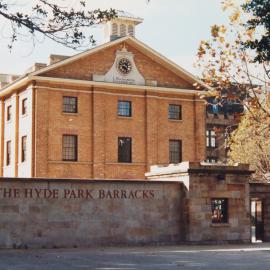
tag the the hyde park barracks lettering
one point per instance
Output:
(89, 194)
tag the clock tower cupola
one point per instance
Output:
(121, 26)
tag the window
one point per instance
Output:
(211, 138)
(70, 105)
(70, 147)
(175, 151)
(174, 112)
(9, 113)
(124, 149)
(131, 30)
(23, 153)
(8, 157)
(219, 210)
(124, 108)
(122, 30)
(211, 160)
(114, 29)
(24, 106)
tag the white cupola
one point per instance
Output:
(121, 26)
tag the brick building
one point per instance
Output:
(109, 112)
(222, 117)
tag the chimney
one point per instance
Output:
(6, 79)
(54, 58)
(121, 26)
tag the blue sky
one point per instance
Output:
(174, 28)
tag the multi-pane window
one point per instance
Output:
(24, 106)
(70, 147)
(174, 112)
(8, 153)
(124, 108)
(175, 151)
(219, 210)
(70, 104)
(23, 149)
(124, 149)
(9, 112)
(211, 160)
(211, 138)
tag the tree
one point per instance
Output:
(260, 10)
(226, 61)
(56, 22)
(250, 143)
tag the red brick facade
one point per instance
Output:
(97, 124)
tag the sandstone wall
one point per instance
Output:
(205, 183)
(39, 213)
(205, 187)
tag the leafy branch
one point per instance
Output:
(60, 24)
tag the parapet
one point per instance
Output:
(172, 171)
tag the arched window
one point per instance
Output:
(114, 29)
(131, 30)
(123, 30)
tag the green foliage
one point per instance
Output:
(260, 11)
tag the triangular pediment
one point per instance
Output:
(125, 61)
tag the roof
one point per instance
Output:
(127, 15)
(129, 40)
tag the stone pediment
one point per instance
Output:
(123, 70)
(107, 63)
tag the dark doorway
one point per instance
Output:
(257, 220)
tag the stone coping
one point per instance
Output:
(259, 183)
(79, 180)
(187, 167)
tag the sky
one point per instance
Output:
(174, 28)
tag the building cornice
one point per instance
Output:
(115, 86)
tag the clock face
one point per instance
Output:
(124, 66)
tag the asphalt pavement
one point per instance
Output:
(232, 257)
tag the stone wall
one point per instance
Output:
(203, 188)
(262, 191)
(204, 183)
(41, 213)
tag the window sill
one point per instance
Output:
(220, 225)
(125, 163)
(124, 117)
(24, 115)
(175, 120)
(22, 164)
(69, 162)
(70, 114)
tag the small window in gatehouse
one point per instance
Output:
(219, 210)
